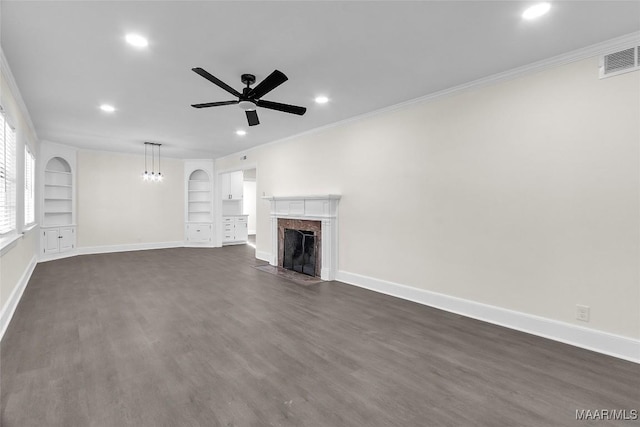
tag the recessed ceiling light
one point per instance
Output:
(536, 11)
(321, 99)
(136, 40)
(107, 108)
(241, 132)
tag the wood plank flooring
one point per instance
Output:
(198, 337)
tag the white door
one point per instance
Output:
(51, 241)
(66, 239)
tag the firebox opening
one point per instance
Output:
(300, 251)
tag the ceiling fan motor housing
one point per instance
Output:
(245, 104)
(248, 79)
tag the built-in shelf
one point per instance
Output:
(57, 200)
(199, 202)
(58, 193)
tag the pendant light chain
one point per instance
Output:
(159, 174)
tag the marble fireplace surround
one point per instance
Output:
(303, 225)
(322, 208)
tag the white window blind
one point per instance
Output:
(7, 176)
(29, 190)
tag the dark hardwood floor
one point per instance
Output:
(198, 337)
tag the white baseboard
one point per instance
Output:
(198, 245)
(60, 255)
(91, 250)
(264, 256)
(590, 339)
(88, 250)
(12, 303)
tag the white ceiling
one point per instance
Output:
(69, 57)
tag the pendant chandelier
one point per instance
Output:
(152, 176)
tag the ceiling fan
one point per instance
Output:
(250, 98)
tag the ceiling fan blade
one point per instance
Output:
(272, 81)
(252, 117)
(293, 109)
(216, 81)
(214, 104)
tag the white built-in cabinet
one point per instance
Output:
(58, 239)
(199, 233)
(231, 185)
(234, 228)
(58, 223)
(234, 223)
(199, 203)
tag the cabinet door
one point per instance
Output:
(235, 185)
(241, 229)
(51, 241)
(198, 233)
(67, 239)
(225, 193)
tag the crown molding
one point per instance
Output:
(618, 43)
(15, 91)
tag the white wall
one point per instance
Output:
(16, 260)
(116, 207)
(249, 204)
(522, 195)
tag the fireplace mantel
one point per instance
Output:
(322, 208)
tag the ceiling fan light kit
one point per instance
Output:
(247, 105)
(250, 98)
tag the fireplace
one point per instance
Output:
(300, 251)
(315, 216)
(300, 245)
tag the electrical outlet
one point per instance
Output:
(582, 312)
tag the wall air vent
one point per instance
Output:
(620, 62)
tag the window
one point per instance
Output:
(29, 191)
(7, 176)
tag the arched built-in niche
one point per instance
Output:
(58, 193)
(199, 200)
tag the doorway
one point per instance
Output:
(249, 205)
